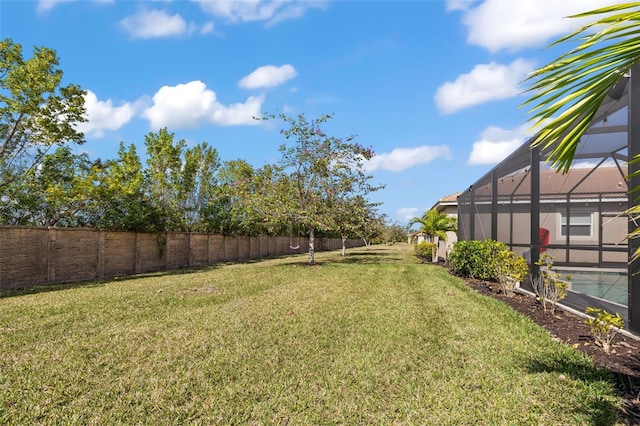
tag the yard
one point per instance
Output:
(372, 338)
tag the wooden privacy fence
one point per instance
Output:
(39, 256)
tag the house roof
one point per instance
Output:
(447, 200)
(606, 181)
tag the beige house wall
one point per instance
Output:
(614, 231)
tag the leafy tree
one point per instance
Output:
(121, 201)
(272, 189)
(373, 228)
(36, 113)
(180, 181)
(231, 203)
(394, 232)
(435, 224)
(568, 91)
(198, 185)
(322, 172)
(163, 177)
(352, 217)
(55, 193)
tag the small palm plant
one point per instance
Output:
(435, 224)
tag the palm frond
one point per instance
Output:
(567, 92)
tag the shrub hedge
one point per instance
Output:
(476, 259)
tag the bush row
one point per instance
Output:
(486, 260)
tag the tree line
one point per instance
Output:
(319, 186)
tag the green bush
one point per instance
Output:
(604, 326)
(425, 250)
(476, 259)
(511, 269)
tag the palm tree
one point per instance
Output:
(568, 91)
(435, 224)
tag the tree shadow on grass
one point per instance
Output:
(368, 258)
(360, 258)
(350, 258)
(100, 282)
(600, 410)
(46, 288)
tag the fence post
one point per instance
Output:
(51, 255)
(136, 256)
(101, 251)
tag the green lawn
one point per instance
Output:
(372, 338)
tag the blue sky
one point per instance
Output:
(432, 86)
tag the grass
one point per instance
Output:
(372, 338)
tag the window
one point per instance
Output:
(580, 224)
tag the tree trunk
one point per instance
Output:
(312, 251)
(366, 243)
(434, 251)
(344, 247)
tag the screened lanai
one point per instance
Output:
(579, 217)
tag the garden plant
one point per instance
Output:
(476, 259)
(424, 250)
(511, 270)
(549, 286)
(604, 326)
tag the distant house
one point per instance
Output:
(448, 205)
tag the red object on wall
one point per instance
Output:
(544, 239)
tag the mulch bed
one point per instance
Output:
(623, 361)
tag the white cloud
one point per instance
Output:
(207, 28)
(47, 5)
(157, 23)
(487, 152)
(513, 25)
(268, 76)
(459, 4)
(407, 213)
(486, 82)
(586, 164)
(102, 115)
(496, 144)
(154, 23)
(192, 104)
(403, 158)
(258, 10)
